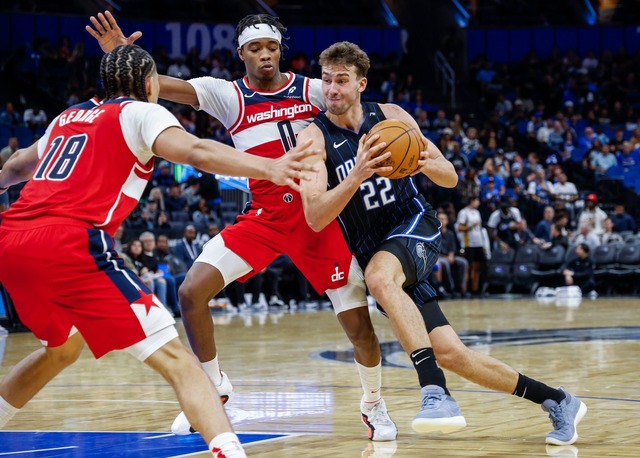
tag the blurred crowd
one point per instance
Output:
(530, 163)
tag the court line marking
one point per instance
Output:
(38, 450)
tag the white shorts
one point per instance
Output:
(352, 295)
(216, 254)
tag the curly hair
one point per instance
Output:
(255, 19)
(348, 54)
(124, 70)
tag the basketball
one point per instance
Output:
(403, 141)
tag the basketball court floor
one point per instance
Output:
(297, 392)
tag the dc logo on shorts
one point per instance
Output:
(288, 197)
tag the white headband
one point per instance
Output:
(255, 32)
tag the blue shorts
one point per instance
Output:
(418, 251)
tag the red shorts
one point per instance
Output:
(276, 225)
(66, 274)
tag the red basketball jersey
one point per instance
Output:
(87, 170)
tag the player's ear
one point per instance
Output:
(362, 84)
(239, 50)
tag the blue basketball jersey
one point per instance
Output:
(382, 208)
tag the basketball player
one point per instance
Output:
(395, 235)
(263, 112)
(58, 262)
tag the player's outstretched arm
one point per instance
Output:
(107, 32)
(19, 167)
(178, 146)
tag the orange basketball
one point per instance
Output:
(404, 142)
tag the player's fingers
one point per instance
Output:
(92, 32)
(111, 21)
(104, 23)
(374, 150)
(134, 36)
(293, 185)
(370, 140)
(98, 27)
(383, 157)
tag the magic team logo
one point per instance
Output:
(393, 354)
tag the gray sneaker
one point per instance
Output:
(439, 412)
(564, 417)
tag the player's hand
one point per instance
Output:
(368, 158)
(108, 33)
(290, 168)
(425, 157)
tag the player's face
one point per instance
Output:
(261, 57)
(341, 88)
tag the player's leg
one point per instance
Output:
(198, 398)
(391, 269)
(216, 267)
(31, 374)
(350, 304)
(492, 373)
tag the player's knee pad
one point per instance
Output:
(432, 315)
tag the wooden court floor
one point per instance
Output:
(297, 392)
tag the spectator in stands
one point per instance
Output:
(440, 122)
(540, 192)
(592, 216)
(524, 236)
(175, 266)
(603, 161)
(423, 121)
(157, 195)
(502, 225)
(587, 139)
(35, 117)
(160, 271)
(469, 187)
(489, 197)
(202, 215)
(515, 186)
(469, 229)
(531, 166)
(178, 69)
(455, 156)
(556, 137)
(7, 151)
(471, 143)
(568, 145)
(175, 201)
(579, 271)
(453, 267)
(622, 221)
(117, 240)
(203, 237)
(134, 259)
(586, 235)
(10, 117)
(609, 236)
(149, 216)
(628, 157)
(565, 194)
(163, 177)
(543, 228)
(187, 249)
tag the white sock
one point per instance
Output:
(371, 380)
(7, 411)
(226, 445)
(212, 368)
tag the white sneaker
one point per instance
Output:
(182, 427)
(379, 425)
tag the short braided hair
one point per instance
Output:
(255, 19)
(124, 70)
